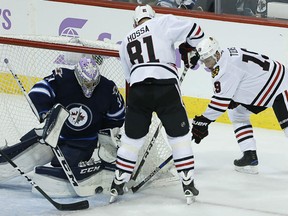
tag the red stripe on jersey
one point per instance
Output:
(184, 164)
(198, 31)
(219, 104)
(271, 85)
(243, 133)
(286, 95)
(124, 165)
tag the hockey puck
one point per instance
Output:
(99, 190)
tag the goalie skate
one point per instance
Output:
(248, 163)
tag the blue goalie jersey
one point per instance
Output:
(104, 109)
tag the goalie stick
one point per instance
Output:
(60, 206)
(80, 191)
(135, 188)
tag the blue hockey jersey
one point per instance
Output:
(104, 109)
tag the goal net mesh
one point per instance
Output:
(32, 63)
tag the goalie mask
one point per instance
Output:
(208, 50)
(141, 12)
(88, 75)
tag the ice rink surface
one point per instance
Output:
(223, 191)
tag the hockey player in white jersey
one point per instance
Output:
(245, 82)
(148, 58)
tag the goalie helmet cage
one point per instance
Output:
(34, 57)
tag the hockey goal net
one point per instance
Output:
(33, 57)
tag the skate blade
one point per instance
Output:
(113, 199)
(247, 169)
(190, 200)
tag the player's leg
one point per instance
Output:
(137, 122)
(280, 108)
(240, 118)
(173, 115)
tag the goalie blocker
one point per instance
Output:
(53, 123)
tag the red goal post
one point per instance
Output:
(34, 57)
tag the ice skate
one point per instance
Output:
(248, 163)
(118, 185)
(188, 186)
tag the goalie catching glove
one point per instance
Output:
(109, 142)
(189, 55)
(50, 129)
(200, 128)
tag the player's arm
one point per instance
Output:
(109, 136)
(224, 89)
(190, 34)
(42, 95)
(115, 115)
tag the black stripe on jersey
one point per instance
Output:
(269, 82)
(221, 98)
(214, 108)
(266, 84)
(192, 30)
(215, 104)
(153, 65)
(194, 36)
(277, 87)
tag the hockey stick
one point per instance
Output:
(137, 187)
(60, 206)
(149, 148)
(80, 191)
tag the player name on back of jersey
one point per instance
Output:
(137, 33)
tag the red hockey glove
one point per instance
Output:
(199, 128)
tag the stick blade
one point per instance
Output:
(72, 206)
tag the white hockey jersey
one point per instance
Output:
(148, 50)
(245, 77)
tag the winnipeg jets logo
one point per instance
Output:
(77, 116)
(80, 117)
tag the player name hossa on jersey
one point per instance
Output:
(137, 33)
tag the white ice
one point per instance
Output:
(223, 191)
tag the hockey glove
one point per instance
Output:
(199, 128)
(49, 130)
(189, 55)
(233, 104)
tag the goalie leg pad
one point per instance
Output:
(75, 151)
(27, 155)
(55, 183)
